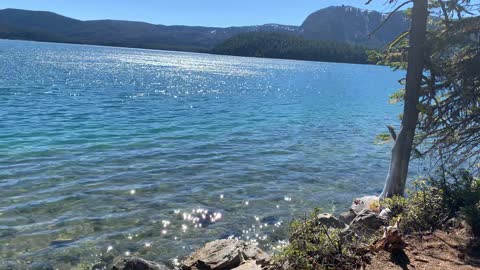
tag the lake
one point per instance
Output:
(107, 151)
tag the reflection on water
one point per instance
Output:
(110, 151)
(269, 232)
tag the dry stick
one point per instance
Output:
(445, 14)
(330, 239)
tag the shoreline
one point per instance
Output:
(365, 217)
(180, 51)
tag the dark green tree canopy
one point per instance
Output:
(448, 128)
(286, 46)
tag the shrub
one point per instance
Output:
(425, 208)
(432, 201)
(422, 210)
(461, 189)
(375, 206)
(472, 217)
(314, 246)
(462, 194)
(396, 204)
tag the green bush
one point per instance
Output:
(396, 204)
(422, 210)
(314, 246)
(462, 189)
(432, 201)
(462, 194)
(425, 208)
(472, 217)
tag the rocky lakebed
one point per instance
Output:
(234, 254)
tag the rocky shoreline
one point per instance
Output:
(233, 254)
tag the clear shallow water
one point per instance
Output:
(108, 148)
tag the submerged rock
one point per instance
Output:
(229, 234)
(41, 266)
(270, 220)
(224, 255)
(134, 263)
(8, 265)
(61, 242)
(100, 266)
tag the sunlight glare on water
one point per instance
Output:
(110, 151)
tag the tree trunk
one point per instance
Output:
(397, 175)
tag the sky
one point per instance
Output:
(191, 12)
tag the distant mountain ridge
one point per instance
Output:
(339, 24)
(48, 26)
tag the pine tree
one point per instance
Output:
(442, 87)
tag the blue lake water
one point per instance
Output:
(106, 151)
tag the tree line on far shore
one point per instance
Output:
(285, 46)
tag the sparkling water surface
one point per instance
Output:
(108, 151)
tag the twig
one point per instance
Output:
(388, 17)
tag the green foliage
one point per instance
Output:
(425, 210)
(285, 46)
(432, 201)
(462, 193)
(422, 210)
(314, 246)
(374, 57)
(449, 107)
(396, 204)
(472, 217)
(461, 189)
(383, 138)
(397, 96)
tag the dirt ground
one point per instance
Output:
(438, 251)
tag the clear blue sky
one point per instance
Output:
(191, 12)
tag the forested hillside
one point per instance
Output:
(277, 45)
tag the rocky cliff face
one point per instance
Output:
(353, 25)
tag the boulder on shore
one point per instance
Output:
(347, 216)
(330, 221)
(248, 265)
(367, 220)
(224, 255)
(134, 263)
(366, 202)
